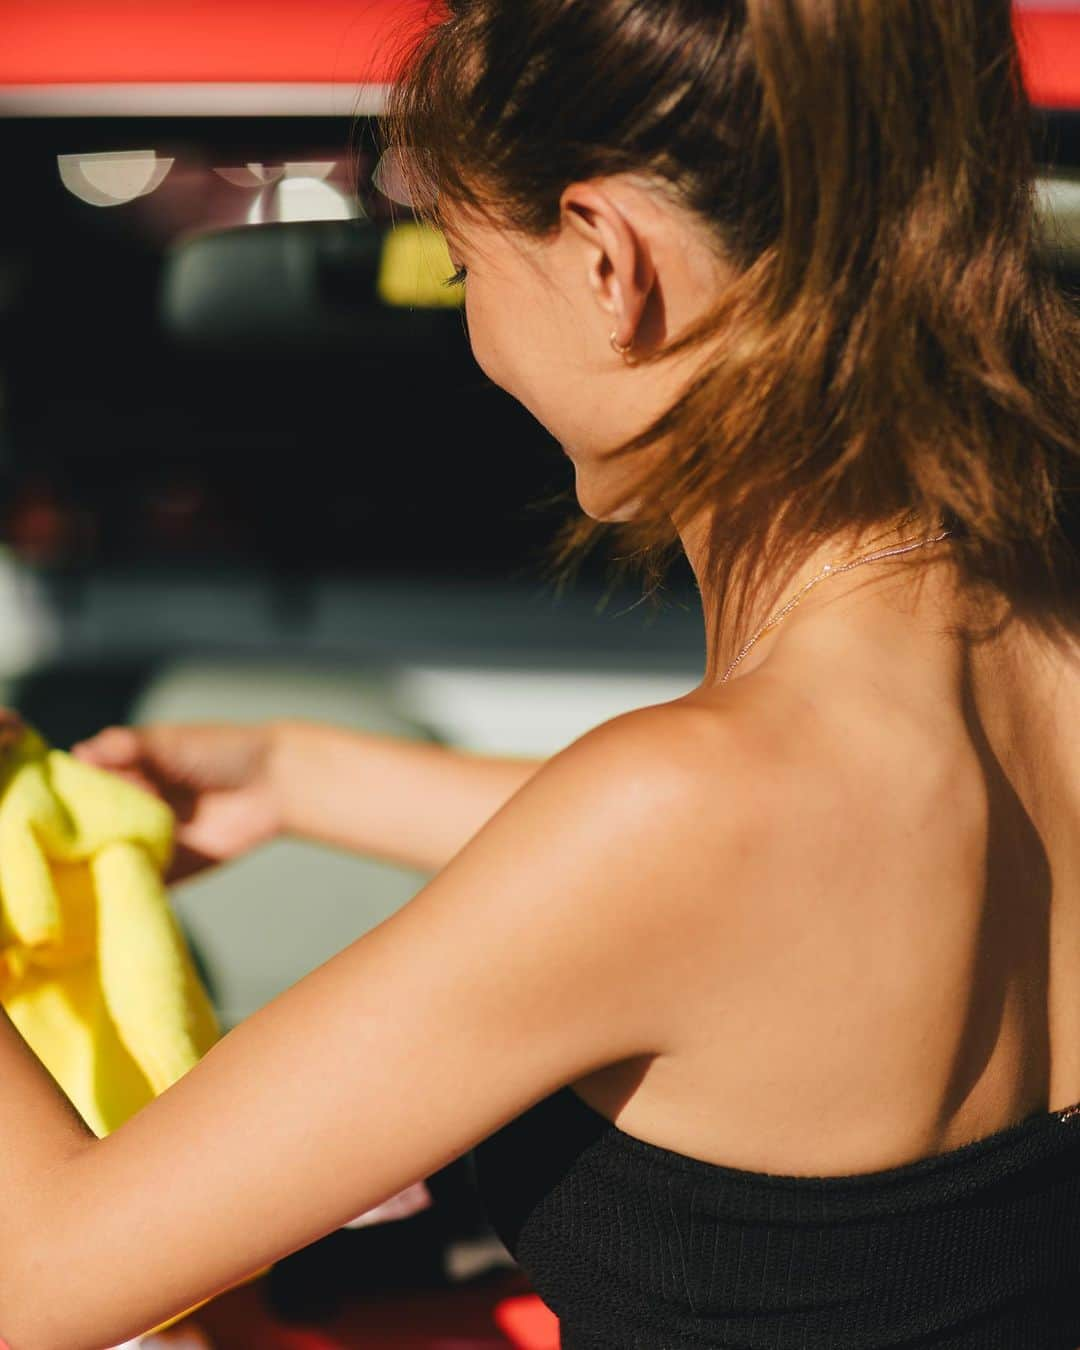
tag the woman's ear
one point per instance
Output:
(616, 255)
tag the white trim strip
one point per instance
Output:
(1058, 203)
(192, 100)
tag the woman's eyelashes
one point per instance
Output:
(458, 279)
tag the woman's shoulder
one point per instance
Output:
(692, 769)
(690, 740)
(695, 793)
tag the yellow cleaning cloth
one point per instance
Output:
(94, 970)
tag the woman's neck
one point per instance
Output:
(887, 581)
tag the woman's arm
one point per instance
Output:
(402, 801)
(39, 1127)
(235, 786)
(547, 948)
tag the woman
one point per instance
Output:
(759, 1006)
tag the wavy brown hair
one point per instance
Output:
(892, 340)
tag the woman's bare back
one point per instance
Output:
(904, 974)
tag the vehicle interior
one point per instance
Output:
(248, 469)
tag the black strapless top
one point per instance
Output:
(636, 1247)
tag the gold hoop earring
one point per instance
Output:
(617, 347)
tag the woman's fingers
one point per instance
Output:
(111, 748)
(188, 862)
(11, 729)
(137, 779)
(118, 750)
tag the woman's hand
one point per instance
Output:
(216, 778)
(11, 730)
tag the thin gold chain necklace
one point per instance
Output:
(904, 546)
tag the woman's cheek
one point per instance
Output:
(484, 360)
(474, 327)
(485, 345)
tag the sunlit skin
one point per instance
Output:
(822, 918)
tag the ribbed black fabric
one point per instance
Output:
(636, 1247)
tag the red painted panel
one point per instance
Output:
(1050, 48)
(203, 41)
(326, 41)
